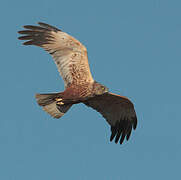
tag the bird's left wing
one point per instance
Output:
(119, 113)
(69, 54)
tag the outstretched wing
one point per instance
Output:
(119, 113)
(69, 54)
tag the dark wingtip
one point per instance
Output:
(47, 26)
(122, 130)
(29, 26)
(25, 37)
(113, 134)
(134, 122)
(129, 133)
(111, 138)
(28, 43)
(25, 32)
(122, 138)
(117, 139)
(35, 28)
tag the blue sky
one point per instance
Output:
(134, 48)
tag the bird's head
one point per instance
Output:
(99, 89)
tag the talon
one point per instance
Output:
(58, 99)
(61, 103)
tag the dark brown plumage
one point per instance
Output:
(70, 56)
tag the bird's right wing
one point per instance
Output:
(69, 54)
(119, 113)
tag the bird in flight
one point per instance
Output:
(70, 57)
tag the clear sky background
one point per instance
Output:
(134, 48)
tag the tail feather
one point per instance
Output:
(46, 99)
(51, 105)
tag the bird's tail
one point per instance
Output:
(52, 104)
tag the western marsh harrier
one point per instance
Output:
(71, 59)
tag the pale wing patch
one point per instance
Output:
(68, 53)
(63, 65)
(70, 57)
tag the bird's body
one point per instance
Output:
(71, 59)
